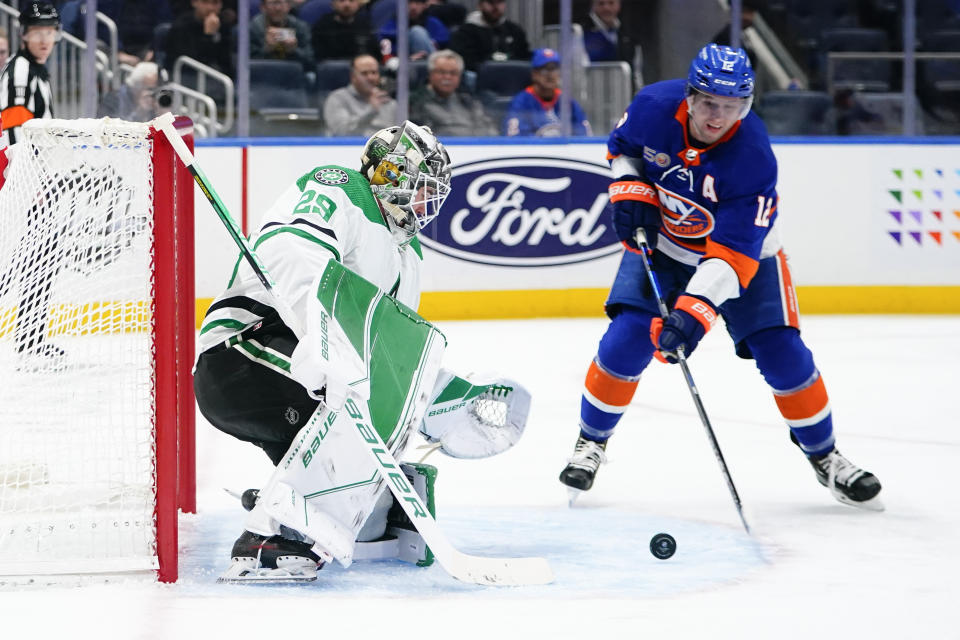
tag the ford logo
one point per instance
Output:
(525, 212)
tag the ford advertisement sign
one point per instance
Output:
(525, 212)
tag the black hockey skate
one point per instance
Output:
(847, 482)
(581, 470)
(277, 558)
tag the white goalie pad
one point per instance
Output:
(388, 533)
(325, 360)
(327, 486)
(475, 417)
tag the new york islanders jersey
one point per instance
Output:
(718, 201)
(328, 214)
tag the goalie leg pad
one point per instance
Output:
(324, 488)
(326, 485)
(398, 538)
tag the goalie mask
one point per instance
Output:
(409, 173)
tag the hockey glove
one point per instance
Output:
(476, 416)
(689, 321)
(635, 205)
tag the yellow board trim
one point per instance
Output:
(587, 303)
(90, 318)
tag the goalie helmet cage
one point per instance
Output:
(97, 331)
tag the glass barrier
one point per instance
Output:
(472, 68)
(462, 71)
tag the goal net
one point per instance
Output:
(96, 344)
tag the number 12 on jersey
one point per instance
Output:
(764, 209)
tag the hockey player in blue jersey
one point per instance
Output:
(694, 169)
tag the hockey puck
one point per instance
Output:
(249, 499)
(663, 546)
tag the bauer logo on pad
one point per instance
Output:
(525, 212)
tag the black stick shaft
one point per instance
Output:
(641, 239)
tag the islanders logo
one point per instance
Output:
(683, 217)
(525, 212)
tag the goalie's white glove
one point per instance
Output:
(475, 417)
(326, 363)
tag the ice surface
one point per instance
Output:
(813, 566)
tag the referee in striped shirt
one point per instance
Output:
(24, 83)
(25, 94)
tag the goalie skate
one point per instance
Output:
(257, 558)
(581, 470)
(847, 482)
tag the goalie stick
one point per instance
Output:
(641, 238)
(462, 566)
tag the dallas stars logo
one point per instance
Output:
(331, 176)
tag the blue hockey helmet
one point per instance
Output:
(721, 71)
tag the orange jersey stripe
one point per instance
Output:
(791, 309)
(744, 266)
(804, 403)
(609, 389)
(15, 116)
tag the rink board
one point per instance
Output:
(869, 226)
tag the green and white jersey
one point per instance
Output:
(328, 214)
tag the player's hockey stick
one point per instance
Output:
(641, 239)
(462, 566)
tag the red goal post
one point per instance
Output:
(97, 331)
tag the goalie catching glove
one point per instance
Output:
(475, 418)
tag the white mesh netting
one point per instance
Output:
(76, 393)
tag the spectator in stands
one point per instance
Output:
(344, 33)
(605, 39)
(4, 47)
(140, 99)
(427, 34)
(852, 117)
(277, 35)
(361, 108)
(440, 106)
(488, 35)
(450, 14)
(535, 111)
(228, 13)
(135, 22)
(202, 35)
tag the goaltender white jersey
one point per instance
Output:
(328, 214)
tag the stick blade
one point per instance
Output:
(498, 572)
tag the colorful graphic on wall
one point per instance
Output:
(922, 207)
